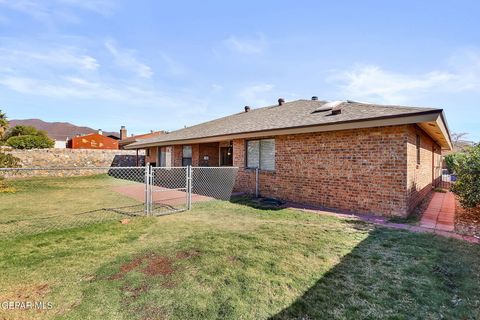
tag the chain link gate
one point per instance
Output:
(36, 200)
(174, 189)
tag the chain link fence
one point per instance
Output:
(37, 200)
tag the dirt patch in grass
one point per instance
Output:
(159, 265)
(467, 220)
(154, 265)
(31, 292)
(126, 268)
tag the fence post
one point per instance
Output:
(186, 186)
(146, 184)
(256, 183)
(151, 184)
(189, 187)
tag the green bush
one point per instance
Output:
(467, 186)
(24, 131)
(30, 142)
(452, 160)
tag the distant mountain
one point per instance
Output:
(57, 130)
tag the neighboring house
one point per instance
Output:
(93, 141)
(60, 144)
(126, 140)
(348, 156)
(60, 132)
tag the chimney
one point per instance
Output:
(100, 131)
(123, 132)
(247, 108)
(314, 98)
(281, 101)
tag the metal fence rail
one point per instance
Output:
(35, 200)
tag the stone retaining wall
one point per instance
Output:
(71, 158)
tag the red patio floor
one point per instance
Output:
(160, 195)
(440, 213)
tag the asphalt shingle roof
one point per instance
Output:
(292, 114)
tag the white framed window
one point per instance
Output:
(165, 157)
(261, 154)
(187, 156)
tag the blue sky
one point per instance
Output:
(167, 64)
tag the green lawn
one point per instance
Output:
(44, 204)
(226, 260)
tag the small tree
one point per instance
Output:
(23, 131)
(467, 169)
(30, 142)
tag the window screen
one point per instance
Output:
(261, 154)
(253, 154)
(267, 154)
(187, 156)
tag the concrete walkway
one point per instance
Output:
(438, 218)
(440, 213)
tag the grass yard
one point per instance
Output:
(46, 203)
(229, 260)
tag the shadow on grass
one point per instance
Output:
(396, 275)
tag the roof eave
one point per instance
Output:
(424, 116)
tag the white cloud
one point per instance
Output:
(51, 11)
(29, 59)
(72, 74)
(248, 46)
(372, 82)
(255, 95)
(125, 58)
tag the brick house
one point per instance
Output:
(125, 140)
(93, 141)
(342, 155)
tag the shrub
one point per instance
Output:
(30, 142)
(452, 160)
(24, 131)
(7, 161)
(467, 186)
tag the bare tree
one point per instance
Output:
(458, 140)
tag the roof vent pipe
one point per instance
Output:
(281, 101)
(247, 108)
(314, 98)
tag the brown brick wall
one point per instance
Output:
(152, 156)
(361, 170)
(421, 176)
(369, 170)
(212, 151)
